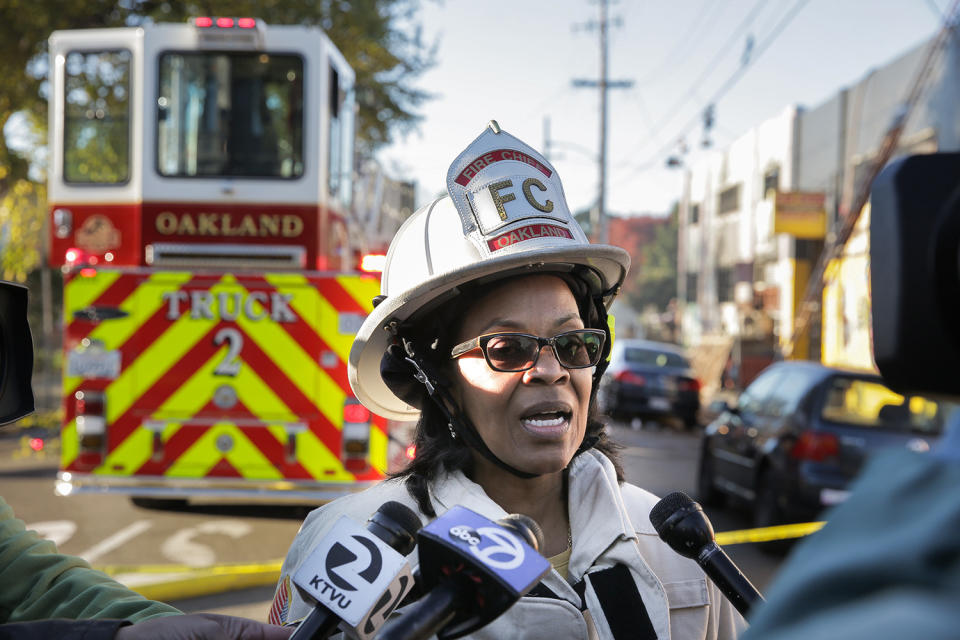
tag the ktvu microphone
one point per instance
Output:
(682, 524)
(472, 569)
(358, 576)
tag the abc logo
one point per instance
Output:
(503, 552)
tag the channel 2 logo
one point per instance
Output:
(340, 555)
(504, 551)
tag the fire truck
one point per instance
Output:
(200, 186)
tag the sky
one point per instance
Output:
(515, 61)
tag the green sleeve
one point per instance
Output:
(40, 583)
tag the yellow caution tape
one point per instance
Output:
(176, 582)
(182, 581)
(766, 534)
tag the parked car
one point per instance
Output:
(649, 379)
(800, 432)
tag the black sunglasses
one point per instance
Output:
(510, 352)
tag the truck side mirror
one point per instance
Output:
(16, 354)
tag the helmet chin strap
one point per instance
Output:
(459, 423)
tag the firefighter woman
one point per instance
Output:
(492, 327)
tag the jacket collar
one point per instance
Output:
(598, 517)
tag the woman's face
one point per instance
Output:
(533, 420)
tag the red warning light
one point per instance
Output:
(203, 22)
(373, 262)
(36, 444)
(246, 23)
(355, 413)
(411, 451)
(88, 272)
(225, 23)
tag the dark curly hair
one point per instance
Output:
(437, 451)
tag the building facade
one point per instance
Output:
(740, 274)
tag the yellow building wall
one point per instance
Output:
(846, 331)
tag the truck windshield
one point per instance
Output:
(230, 114)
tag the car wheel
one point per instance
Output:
(707, 492)
(767, 512)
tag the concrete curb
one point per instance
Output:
(171, 582)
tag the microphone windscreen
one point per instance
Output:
(526, 527)
(403, 515)
(667, 507)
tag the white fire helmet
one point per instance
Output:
(505, 213)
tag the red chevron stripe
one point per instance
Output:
(309, 340)
(337, 296)
(163, 388)
(112, 296)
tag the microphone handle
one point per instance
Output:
(318, 625)
(425, 617)
(735, 586)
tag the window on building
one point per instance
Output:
(771, 180)
(729, 199)
(691, 287)
(694, 213)
(725, 284)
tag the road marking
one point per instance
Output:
(115, 541)
(57, 531)
(180, 547)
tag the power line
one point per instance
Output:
(722, 91)
(685, 39)
(735, 35)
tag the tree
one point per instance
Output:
(379, 38)
(655, 279)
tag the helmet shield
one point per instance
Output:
(505, 215)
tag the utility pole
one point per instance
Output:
(598, 220)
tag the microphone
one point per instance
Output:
(473, 569)
(682, 524)
(358, 576)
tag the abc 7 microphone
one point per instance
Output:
(358, 576)
(682, 524)
(472, 569)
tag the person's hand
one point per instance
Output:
(203, 626)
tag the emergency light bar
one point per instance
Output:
(206, 22)
(229, 33)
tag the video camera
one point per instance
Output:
(915, 274)
(16, 354)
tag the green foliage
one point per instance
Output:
(379, 38)
(655, 279)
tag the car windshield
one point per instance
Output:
(654, 357)
(867, 403)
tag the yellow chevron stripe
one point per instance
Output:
(129, 455)
(140, 375)
(199, 459)
(81, 291)
(378, 449)
(69, 446)
(145, 300)
(299, 367)
(363, 289)
(317, 459)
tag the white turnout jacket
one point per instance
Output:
(672, 599)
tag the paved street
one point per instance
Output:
(110, 530)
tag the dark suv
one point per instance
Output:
(648, 379)
(801, 431)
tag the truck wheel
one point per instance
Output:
(161, 504)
